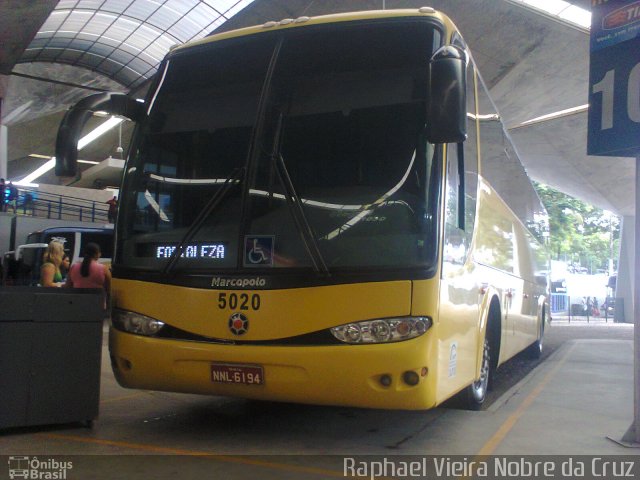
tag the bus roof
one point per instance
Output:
(324, 19)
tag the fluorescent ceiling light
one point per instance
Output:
(38, 172)
(48, 157)
(554, 7)
(560, 9)
(551, 116)
(26, 184)
(83, 142)
(577, 15)
(98, 132)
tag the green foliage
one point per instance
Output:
(581, 234)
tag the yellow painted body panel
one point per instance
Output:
(332, 375)
(335, 375)
(503, 256)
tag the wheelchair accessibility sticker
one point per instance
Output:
(258, 250)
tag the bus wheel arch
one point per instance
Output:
(475, 394)
(534, 350)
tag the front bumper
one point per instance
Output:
(346, 375)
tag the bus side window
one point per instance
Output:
(455, 244)
(462, 190)
(471, 157)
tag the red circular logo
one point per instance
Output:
(238, 324)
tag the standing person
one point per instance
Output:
(89, 273)
(113, 209)
(50, 274)
(3, 187)
(65, 265)
(13, 196)
(28, 203)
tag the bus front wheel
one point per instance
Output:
(534, 351)
(477, 392)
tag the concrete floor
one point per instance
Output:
(568, 405)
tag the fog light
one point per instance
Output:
(410, 378)
(119, 363)
(385, 380)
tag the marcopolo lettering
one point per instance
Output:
(222, 282)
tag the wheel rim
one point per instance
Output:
(479, 387)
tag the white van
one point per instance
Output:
(22, 266)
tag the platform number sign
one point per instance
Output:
(614, 79)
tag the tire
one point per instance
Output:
(476, 393)
(534, 351)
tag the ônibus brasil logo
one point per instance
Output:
(35, 468)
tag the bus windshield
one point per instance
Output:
(287, 150)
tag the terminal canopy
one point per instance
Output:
(124, 39)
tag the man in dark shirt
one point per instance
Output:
(2, 195)
(113, 209)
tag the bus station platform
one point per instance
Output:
(579, 401)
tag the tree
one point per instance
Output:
(581, 234)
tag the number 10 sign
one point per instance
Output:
(614, 79)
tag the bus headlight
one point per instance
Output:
(382, 330)
(135, 323)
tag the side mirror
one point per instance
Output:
(447, 102)
(75, 119)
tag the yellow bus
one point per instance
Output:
(322, 210)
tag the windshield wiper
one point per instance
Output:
(211, 205)
(300, 219)
(293, 201)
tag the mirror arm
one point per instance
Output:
(75, 119)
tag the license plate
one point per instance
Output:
(234, 373)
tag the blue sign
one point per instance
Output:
(258, 250)
(614, 79)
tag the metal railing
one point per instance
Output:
(59, 207)
(559, 304)
(562, 306)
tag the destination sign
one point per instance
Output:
(204, 250)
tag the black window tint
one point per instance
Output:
(348, 128)
(68, 240)
(103, 240)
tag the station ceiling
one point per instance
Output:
(535, 64)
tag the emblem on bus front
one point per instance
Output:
(238, 324)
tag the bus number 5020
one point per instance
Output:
(242, 301)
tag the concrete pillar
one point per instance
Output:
(625, 283)
(4, 83)
(3, 151)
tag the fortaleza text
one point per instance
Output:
(504, 467)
